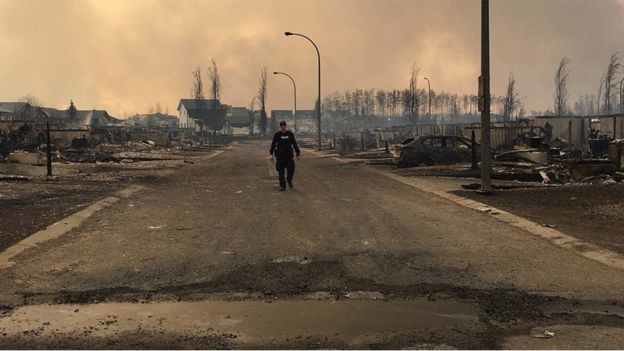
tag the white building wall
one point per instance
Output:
(185, 121)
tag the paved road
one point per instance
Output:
(335, 256)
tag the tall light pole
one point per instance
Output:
(318, 101)
(429, 84)
(295, 95)
(486, 180)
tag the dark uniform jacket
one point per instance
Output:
(284, 146)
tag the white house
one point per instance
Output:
(191, 110)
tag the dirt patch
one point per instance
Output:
(592, 213)
(28, 207)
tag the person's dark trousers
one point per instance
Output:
(288, 167)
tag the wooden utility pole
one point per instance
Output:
(48, 149)
(48, 142)
(486, 180)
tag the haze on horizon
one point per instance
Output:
(128, 56)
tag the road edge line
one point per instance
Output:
(63, 226)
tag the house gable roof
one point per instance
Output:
(197, 108)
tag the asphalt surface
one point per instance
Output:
(220, 231)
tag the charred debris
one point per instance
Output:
(544, 150)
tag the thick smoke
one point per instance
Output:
(126, 56)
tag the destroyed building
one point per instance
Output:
(23, 126)
(153, 120)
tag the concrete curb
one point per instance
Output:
(63, 226)
(555, 237)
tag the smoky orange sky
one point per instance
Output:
(125, 56)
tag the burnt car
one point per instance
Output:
(434, 149)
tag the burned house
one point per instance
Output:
(575, 130)
(23, 125)
(154, 121)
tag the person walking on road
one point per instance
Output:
(283, 149)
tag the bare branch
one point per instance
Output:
(262, 96)
(610, 81)
(561, 87)
(215, 80)
(197, 91)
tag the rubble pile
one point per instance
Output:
(556, 162)
(569, 171)
(126, 153)
(104, 162)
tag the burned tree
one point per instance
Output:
(511, 101)
(413, 104)
(197, 91)
(599, 97)
(215, 80)
(262, 96)
(610, 81)
(561, 87)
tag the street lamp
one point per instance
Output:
(295, 95)
(429, 84)
(318, 101)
